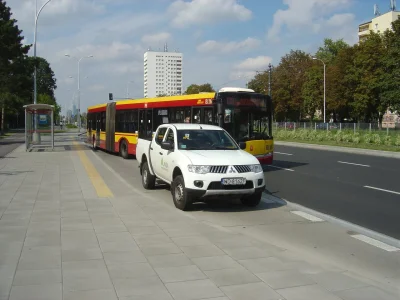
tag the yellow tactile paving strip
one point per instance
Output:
(100, 186)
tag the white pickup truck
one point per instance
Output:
(199, 162)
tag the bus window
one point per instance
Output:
(208, 116)
(196, 115)
(228, 116)
(149, 122)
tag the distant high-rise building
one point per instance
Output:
(74, 110)
(162, 73)
(69, 116)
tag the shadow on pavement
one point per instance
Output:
(10, 142)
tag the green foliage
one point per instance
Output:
(343, 137)
(202, 88)
(71, 126)
(397, 141)
(16, 68)
(362, 81)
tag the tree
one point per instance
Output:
(195, 88)
(368, 71)
(46, 81)
(11, 53)
(330, 50)
(47, 99)
(312, 91)
(390, 83)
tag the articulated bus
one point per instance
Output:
(246, 115)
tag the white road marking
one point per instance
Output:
(383, 190)
(306, 216)
(283, 153)
(349, 163)
(280, 168)
(375, 243)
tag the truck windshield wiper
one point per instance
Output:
(223, 148)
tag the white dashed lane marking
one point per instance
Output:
(354, 164)
(282, 153)
(382, 190)
(280, 168)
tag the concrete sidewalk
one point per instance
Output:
(71, 229)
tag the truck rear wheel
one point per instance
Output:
(148, 180)
(181, 199)
(252, 200)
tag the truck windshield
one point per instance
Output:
(197, 139)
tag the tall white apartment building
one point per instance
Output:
(162, 73)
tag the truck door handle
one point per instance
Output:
(161, 153)
(151, 148)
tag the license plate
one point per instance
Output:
(233, 181)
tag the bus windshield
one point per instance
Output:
(247, 116)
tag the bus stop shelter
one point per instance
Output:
(39, 126)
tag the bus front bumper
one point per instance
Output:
(265, 159)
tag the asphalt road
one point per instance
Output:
(361, 189)
(8, 144)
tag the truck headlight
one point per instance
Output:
(199, 169)
(255, 168)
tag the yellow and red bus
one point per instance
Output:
(246, 115)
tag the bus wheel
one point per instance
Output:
(94, 143)
(123, 149)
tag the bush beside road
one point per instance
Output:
(378, 140)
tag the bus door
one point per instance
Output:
(97, 119)
(110, 127)
(145, 123)
(202, 115)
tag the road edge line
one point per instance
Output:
(333, 220)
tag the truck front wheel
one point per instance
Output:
(252, 200)
(148, 180)
(179, 194)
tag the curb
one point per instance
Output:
(333, 220)
(380, 153)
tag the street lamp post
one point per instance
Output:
(37, 13)
(269, 79)
(315, 58)
(79, 89)
(127, 88)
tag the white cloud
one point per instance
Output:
(207, 12)
(96, 88)
(305, 15)
(157, 38)
(213, 46)
(256, 63)
(249, 67)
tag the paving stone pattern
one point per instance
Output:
(58, 240)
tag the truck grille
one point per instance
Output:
(242, 169)
(218, 169)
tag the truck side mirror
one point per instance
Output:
(242, 145)
(167, 145)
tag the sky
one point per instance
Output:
(224, 42)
